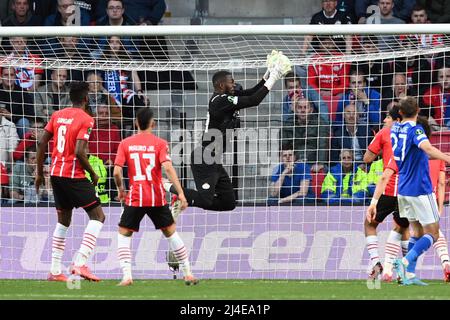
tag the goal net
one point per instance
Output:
(323, 115)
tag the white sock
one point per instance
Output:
(392, 248)
(441, 248)
(372, 247)
(176, 245)
(124, 254)
(58, 246)
(405, 244)
(88, 244)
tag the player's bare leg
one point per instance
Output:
(124, 255)
(58, 245)
(176, 245)
(97, 217)
(370, 229)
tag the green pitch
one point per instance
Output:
(219, 290)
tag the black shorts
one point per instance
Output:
(131, 217)
(74, 193)
(210, 178)
(387, 205)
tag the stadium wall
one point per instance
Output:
(249, 242)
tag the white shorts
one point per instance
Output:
(420, 208)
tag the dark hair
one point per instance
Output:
(143, 117)
(79, 91)
(220, 77)
(408, 107)
(287, 146)
(29, 151)
(418, 7)
(426, 126)
(290, 76)
(394, 113)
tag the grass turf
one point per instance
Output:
(219, 290)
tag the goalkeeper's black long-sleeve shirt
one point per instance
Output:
(223, 109)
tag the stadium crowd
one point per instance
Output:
(330, 111)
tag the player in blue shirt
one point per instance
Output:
(416, 200)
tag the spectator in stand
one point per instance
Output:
(53, 96)
(105, 136)
(291, 180)
(402, 9)
(8, 141)
(22, 16)
(393, 96)
(97, 94)
(104, 141)
(146, 10)
(329, 15)
(67, 15)
(386, 16)
(366, 100)
(69, 48)
(376, 71)
(116, 16)
(436, 100)
(329, 79)
(350, 135)
(28, 78)
(15, 103)
(310, 135)
(22, 178)
(125, 86)
(30, 139)
(346, 182)
(4, 184)
(347, 7)
(438, 11)
(294, 88)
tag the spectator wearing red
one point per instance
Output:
(105, 136)
(436, 100)
(30, 139)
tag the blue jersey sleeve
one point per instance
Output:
(276, 172)
(419, 135)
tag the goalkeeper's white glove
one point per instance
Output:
(266, 75)
(275, 75)
(279, 66)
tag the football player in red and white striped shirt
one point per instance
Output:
(146, 154)
(70, 129)
(387, 204)
(437, 175)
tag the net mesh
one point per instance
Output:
(318, 235)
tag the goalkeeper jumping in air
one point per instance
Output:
(214, 188)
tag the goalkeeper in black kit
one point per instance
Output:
(214, 187)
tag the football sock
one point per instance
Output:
(124, 254)
(372, 247)
(176, 245)
(88, 244)
(405, 246)
(58, 246)
(421, 245)
(441, 248)
(392, 249)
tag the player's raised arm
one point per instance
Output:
(173, 178)
(40, 155)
